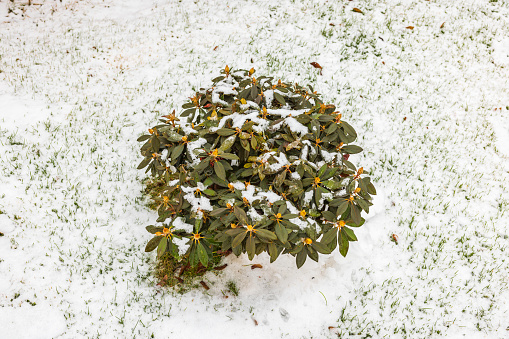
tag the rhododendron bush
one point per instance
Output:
(254, 165)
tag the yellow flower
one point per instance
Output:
(166, 232)
(250, 228)
(214, 153)
(307, 241)
(196, 237)
(302, 214)
(357, 190)
(341, 224)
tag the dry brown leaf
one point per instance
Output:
(395, 238)
(409, 27)
(256, 322)
(442, 25)
(220, 268)
(256, 266)
(215, 48)
(316, 65)
(204, 284)
(356, 10)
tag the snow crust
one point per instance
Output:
(81, 80)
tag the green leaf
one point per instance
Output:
(241, 215)
(332, 128)
(281, 233)
(319, 247)
(245, 145)
(273, 252)
(322, 170)
(217, 212)
(161, 247)
(228, 143)
(239, 238)
(143, 138)
(265, 234)
(153, 243)
(144, 163)
(363, 204)
(279, 98)
(329, 236)
(280, 178)
(328, 215)
(210, 192)
(219, 170)
(349, 232)
(177, 151)
(202, 165)
(301, 258)
(225, 132)
(343, 243)
(342, 208)
(371, 189)
(351, 149)
(356, 214)
(349, 129)
(202, 254)
(193, 256)
(250, 247)
(155, 143)
(152, 229)
(229, 156)
(318, 196)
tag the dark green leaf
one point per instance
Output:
(356, 214)
(225, 131)
(328, 215)
(161, 247)
(329, 236)
(319, 247)
(351, 149)
(250, 247)
(241, 215)
(152, 244)
(202, 254)
(281, 233)
(144, 163)
(301, 258)
(265, 234)
(279, 98)
(219, 170)
(343, 243)
(273, 252)
(177, 151)
(239, 238)
(143, 138)
(349, 232)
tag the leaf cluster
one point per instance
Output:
(253, 165)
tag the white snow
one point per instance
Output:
(180, 224)
(80, 81)
(501, 52)
(6, 225)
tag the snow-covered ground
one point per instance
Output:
(81, 80)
